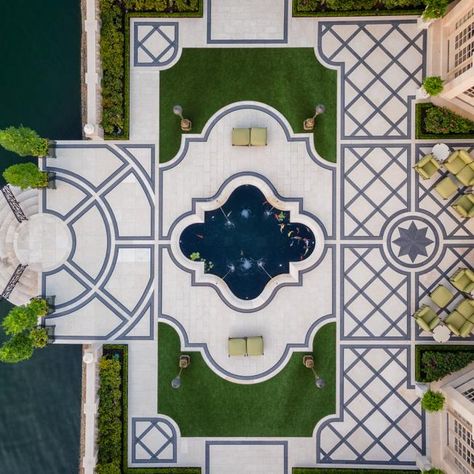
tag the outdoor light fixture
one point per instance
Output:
(185, 124)
(308, 362)
(309, 123)
(184, 362)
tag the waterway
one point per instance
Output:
(40, 88)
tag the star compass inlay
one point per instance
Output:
(413, 241)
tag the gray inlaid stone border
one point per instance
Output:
(283, 444)
(154, 456)
(173, 43)
(210, 40)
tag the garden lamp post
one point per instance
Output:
(185, 124)
(184, 362)
(309, 123)
(308, 362)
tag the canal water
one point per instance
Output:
(40, 88)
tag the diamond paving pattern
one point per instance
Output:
(453, 258)
(383, 66)
(429, 201)
(154, 441)
(155, 43)
(381, 419)
(374, 296)
(374, 187)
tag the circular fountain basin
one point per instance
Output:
(43, 242)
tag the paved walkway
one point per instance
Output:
(125, 271)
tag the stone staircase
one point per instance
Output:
(28, 285)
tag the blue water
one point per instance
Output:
(247, 242)
(40, 87)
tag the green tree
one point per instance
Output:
(435, 9)
(26, 175)
(38, 306)
(18, 348)
(433, 85)
(24, 141)
(432, 401)
(18, 320)
(39, 337)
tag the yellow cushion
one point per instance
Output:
(241, 136)
(258, 136)
(255, 346)
(236, 346)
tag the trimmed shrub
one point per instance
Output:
(26, 175)
(39, 306)
(18, 320)
(347, 5)
(114, 54)
(355, 7)
(17, 349)
(437, 364)
(39, 337)
(110, 413)
(440, 120)
(390, 4)
(110, 468)
(435, 9)
(433, 85)
(24, 141)
(432, 401)
(434, 471)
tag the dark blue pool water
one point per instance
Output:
(247, 242)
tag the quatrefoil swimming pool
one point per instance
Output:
(247, 241)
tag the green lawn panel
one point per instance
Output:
(289, 79)
(286, 405)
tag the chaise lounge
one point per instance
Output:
(256, 136)
(245, 346)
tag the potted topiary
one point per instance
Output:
(432, 401)
(26, 175)
(433, 85)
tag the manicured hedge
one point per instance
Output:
(433, 122)
(357, 7)
(113, 374)
(433, 362)
(323, 470)
(115, 57)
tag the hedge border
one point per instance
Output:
(420, 134)
(124, 463)
(393, 12)
(324, 470)
(126, 17)
(420, 348)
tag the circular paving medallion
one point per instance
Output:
(43, 242)
(412, 241)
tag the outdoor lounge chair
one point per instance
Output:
(236, 346)
(258, 137)
(466, 175)
(255, 346)
(457, 160)
(427, 166)
(464, 205)
(458, 324)
(441, 296)
(446, 188)
(240, 136)
(466, 308)
(463, 280)
(426, 318)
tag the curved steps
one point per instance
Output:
(29, 284)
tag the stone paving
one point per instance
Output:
(385, 241)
